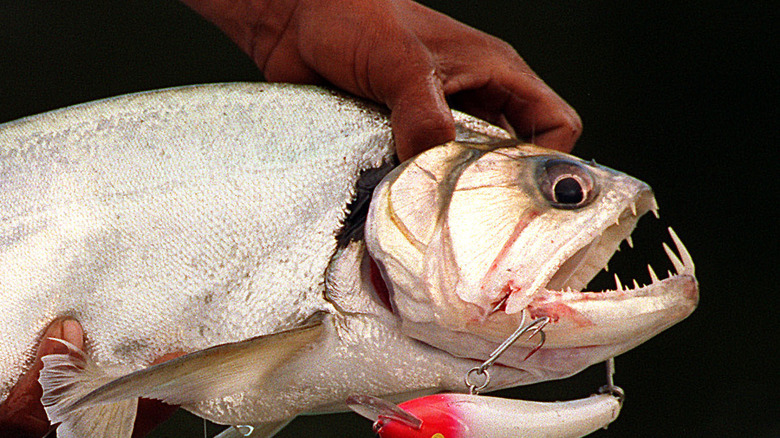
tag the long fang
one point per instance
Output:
(678, 265)
(684, 254)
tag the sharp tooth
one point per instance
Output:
(653, 277)
(630, 241)
(618, 284)
(636, 285)
(633, 208)
(690, 268)
(606, 267)
(678, 265)
(654, 209)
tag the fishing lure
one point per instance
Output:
(474, 416)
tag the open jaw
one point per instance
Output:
(588, 326)
(502, 248)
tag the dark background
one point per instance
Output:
(680, 94)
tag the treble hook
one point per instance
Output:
(535, 327)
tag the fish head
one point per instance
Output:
(472, 238)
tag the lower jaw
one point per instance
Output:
(558, 363)
(545, 364)
(586, 320)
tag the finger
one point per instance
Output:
(22, 413)
(491, 81)
(478, 104)
(420, 119)
(513, 96)
(284, 64)
(505, 89)
(403, 76)
(539, 115)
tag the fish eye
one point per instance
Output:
(566, 184)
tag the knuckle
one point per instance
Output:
(502, 48)
(574, 123)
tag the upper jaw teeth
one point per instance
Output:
(683, 264)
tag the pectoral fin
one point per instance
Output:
(210, 373)
(78, 394)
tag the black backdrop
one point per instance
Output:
(679, 94)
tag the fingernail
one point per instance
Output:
(71, 332)
(48, 346)
(67, 329)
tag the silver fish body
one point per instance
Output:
(208, 220)
(160, 223)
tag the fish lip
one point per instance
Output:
(615, 320)
(650, 290)
(615, 317)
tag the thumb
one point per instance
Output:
(21, 414)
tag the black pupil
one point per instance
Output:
(568, 191)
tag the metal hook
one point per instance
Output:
(610, 387)
(536, 326)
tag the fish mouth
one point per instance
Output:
(607, 322)
(502, 247)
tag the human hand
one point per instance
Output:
(22, 414)
(404, 55)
